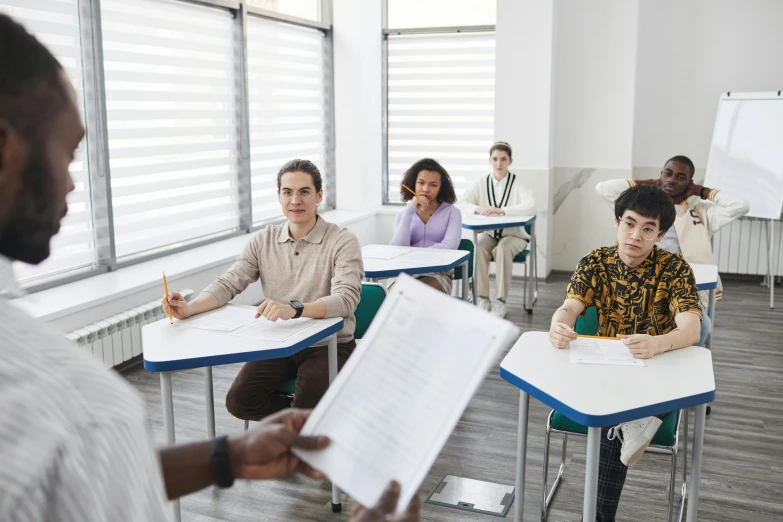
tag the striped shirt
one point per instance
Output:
(74, 440)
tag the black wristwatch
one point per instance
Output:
(299, 307)
(221, 462)
(701, 193)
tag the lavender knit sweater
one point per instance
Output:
(443, 230)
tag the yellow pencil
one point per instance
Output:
(166, 288)
(410, 190)
(599, 337)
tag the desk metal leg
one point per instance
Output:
(591, 473)
(209, 399)
(168, 423)
(475, 266)
(695, 479)
(519, 485)
(532, 294)
(711, 314)
(337, 502)
(465, 290)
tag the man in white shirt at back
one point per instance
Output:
(74, 439)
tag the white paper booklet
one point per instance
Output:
(279, 330)
(397, 399)
(586, 350)
(420, 257)
(383, 252)
(225, 319)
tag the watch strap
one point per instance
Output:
(221, 462)
(299, 309)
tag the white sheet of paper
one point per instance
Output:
(224, 319)
(383, 252)
(602, 351)
(419, 257)
(279, 330)
(397, 399)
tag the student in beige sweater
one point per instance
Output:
(498, 194)
(307, 268)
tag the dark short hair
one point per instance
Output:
(446, 192)
(501, 145)
(301, 165)
(648, 201)
(31, 89)
(685, 160)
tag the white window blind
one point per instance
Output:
(287, 82)
(56, 24)
(171, 102)
(441, 103)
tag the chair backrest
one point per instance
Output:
(465, 244)
(587, 324)
(373, 295)
(528, 229)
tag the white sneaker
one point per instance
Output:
(636, 436)
(499, 308)
(483, 304)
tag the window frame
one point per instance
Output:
(385, 82)
(97, 142)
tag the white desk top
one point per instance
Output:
(380, 268)
(169, 348)
(706, 276)
(476, 222)
(597, 395)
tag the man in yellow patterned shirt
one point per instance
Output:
(644, 295)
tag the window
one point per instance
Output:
(56, 24)
(440, 104)
(307, 9)
(403, 14)
(288, 93)
(173, 122)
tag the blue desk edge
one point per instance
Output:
(496, 226)
(380, 274)
(217, 360)
(600, 421)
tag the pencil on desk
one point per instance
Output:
(166, 288)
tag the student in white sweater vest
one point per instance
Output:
(498, 194)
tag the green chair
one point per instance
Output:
(665, 441)
(370, 301)
(467, 245)
(522, 258)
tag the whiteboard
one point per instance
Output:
(746, 155)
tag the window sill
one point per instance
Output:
(60, 301)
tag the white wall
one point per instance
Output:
(357, 100)
(688, 54)
(595, 64)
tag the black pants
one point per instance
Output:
(252, 395)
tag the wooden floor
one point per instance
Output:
(742, 475)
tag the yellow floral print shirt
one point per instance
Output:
(629, 300)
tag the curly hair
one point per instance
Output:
(445, 194)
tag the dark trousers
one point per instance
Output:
(252, 395)
(611, 477)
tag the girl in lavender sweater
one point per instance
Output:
(430, 219)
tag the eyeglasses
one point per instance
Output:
(648, 233)
(303, 193)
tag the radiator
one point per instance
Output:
(741, 247)
(117, 339)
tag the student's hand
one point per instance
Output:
(385, 508)
(491, 211)
(264, 452)
(641, 346)
(560, 334)
(694, 190)
(180, 308)
(273, 310)
(421, 203)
